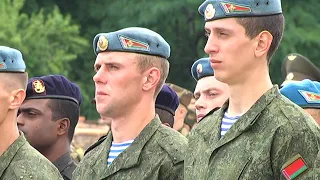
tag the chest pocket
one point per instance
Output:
(244, 169)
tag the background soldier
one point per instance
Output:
(167, 103)
(209, 92)
(18, 160)
(296, 67)
(48, 117)
(305, 94)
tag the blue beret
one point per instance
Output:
(167, 99)
(133, 39)
(11, 60)
(201, 68)
(217, 9)
(53, 87)
(304, 93)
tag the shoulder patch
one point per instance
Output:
(100, 140)
(294, 167)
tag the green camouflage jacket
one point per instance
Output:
(22, 161)
(157, 153)
(267, 142)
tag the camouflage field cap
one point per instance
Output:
(296, 67)
(201, 68)
(184, 95)
(304, 93)
(11, 60)
(53, 87)
(133, 39)
(218, 9)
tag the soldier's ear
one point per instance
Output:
(63, 126)
(16, 98)
(152, 78)
(264, 40)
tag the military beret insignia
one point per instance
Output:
(38, 86)
(235, 8)
(3, 65)
(310, 97)
(210, 11)
(129, 43)
(294, 167)
(292, 57)
(103, 43)
(199, 68)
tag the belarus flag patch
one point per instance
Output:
(294, 167)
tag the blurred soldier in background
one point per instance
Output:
(306, 94)
(210, 94)
(48, 117)
(18, 160)
(296, 67)
(167, 103)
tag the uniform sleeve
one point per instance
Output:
(294, 153)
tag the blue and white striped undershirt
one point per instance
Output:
(116, 149)
(227, 122)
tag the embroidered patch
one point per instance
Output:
(38, 86)
(129, 43)
(102, 43)
(310, 97)
(3, 65)
(230, 8)
(294, 167)
(209, 12)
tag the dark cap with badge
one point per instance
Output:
(11, 60)
(296, 67)
(184, 95)
(201, 68)
(132, 39)
(218, 9)
(167, 99)
(53, 87)
(304, 93)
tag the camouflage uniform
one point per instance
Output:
(21, 161)
(157, 153)
(258, 144)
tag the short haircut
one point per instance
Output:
(14, 80)
(147, 61)
(62, 108)
(165, 116)
(273, 24)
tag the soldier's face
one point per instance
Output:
(34, 120)
(209, 94)
(231, 52)
(118, 83)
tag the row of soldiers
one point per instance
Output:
(257, 133)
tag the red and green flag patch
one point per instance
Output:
(310, 97)
(294, 167)
(129, 43)
(235, 8)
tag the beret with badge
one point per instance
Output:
(218, 9)
(167, 99)
(201, 68)
(296, 67)
(11, 60)
(132, 39)
(53, 87)
(305, 94)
